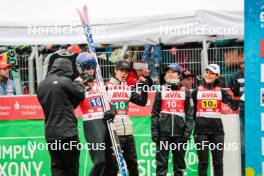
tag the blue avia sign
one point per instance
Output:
(254, 87)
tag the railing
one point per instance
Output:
(226, 57)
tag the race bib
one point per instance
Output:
(121, 105)
(172, 106)
(121, 108)
(209, 104)
(95, 102)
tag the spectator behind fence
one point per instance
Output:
(69, 53)
(187, 79)
(7, 86)
(58, 95)
(139, 73)
(152, 55)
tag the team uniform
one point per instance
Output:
(208, 124)
(95, 128)
(120, 94)
(94, 118)
(171, 122)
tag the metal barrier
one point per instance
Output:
(23, 67)
(190, 59)
(226, 57)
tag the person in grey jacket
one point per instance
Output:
(171, 121)
(120, 95)
(59, 95)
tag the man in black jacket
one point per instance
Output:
(58, 95)
(171, 121)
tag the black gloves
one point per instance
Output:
(141, 83)
(236, 88)
(109, 115)
(174, 86)
(155, 138)
(87, 78)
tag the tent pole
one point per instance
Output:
(39, 65)
(204, 54)
(31, 78)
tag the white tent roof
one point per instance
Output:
(120, 22)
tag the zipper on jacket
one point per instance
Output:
(124, 126)
(172, 129)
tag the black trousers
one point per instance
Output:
(128, 147)
(242, 136)
(65, 162)
(162, 155)
(213, 140)
(96, 134)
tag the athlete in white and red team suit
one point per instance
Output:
(94, 118)
(120, 95)
(171, 121)
(209, 129)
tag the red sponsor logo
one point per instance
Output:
(262, 48)
(173, 95)
(120, 95)
(209, 95)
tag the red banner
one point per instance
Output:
(262, 48)
(28, 107)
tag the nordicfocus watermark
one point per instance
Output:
(63, 30)
(71, 145)
(138, 87)
(165, 145)
(196, 29)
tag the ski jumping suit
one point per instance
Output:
(208, 124)
(95, 129)
(120, 94)
(171, 123)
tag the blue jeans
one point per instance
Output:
(152, 55)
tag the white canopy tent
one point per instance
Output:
(120, 22)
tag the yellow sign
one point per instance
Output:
(206, 104)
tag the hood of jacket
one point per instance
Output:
(61, 67)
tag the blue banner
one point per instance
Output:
(254, 87)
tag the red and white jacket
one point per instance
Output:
(173, 101)
(91, 106)
(120, 94)
(208, 102)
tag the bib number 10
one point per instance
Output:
(95, 102)
(121, 105)
(209, 104)
(173, 104)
